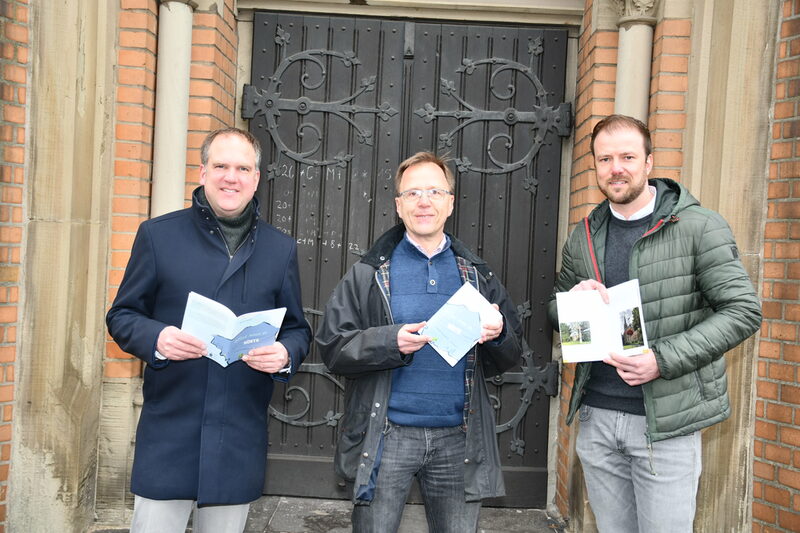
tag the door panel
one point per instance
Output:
(337, 103)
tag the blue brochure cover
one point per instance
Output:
(232, 350)
(456, 326)
(228, 337)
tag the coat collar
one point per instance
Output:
(381, 251)
(206, 214)
(671, 199)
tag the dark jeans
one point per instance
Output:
(435, 456)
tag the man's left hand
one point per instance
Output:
(269, 359)
(491, 330)
(635, 369)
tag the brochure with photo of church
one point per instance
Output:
(590, 329)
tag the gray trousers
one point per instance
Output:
(634, 488)
(171, 516)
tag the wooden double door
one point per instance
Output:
(337, 103)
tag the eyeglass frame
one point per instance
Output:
(428, 193)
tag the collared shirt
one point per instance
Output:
(641, 213)
(436, 250)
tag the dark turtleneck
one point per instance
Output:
(234, 229)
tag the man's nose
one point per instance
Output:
(616, 166)
(425, 199)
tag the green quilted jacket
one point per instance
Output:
(697, 299)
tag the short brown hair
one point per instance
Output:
(249, 137)
(426, 157)
(617, 122)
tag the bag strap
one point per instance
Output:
(591, 250)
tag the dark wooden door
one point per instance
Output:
(337, 103)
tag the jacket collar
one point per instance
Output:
(206, 214)
(671, 199)
(381, 251)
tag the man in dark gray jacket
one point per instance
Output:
(408, 412)
(641, 416)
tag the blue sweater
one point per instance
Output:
(428, 392)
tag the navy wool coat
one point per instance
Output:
(202, 434)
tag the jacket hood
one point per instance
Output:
(671, 199)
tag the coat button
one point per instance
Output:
(373, 415)
(377, 404)
(365, 454)
(362, 465)
(466, 461)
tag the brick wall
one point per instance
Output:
(669, 83)
(213, 80)
(133, 150)
(14, 72)
(776, 484)
(594, 99)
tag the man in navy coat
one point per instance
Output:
(202, 437)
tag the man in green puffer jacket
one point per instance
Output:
(641, 416)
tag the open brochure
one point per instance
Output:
(227, 336)
(456, 326)
(590, 329)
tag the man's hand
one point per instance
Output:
(178, 345)
(491, 330)
(635, 369)
(269, 359)
(407, 339)
(592, 285)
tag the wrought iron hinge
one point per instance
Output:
(562, 122)
(549, 377)
(251, 101)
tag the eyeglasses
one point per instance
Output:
(415, 195)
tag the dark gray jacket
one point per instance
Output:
(358, 339)
(697, 299)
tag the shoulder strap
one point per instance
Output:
(597, 275)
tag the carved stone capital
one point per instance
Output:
(636, 11)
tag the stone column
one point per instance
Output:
(634, 56)
(172, 105)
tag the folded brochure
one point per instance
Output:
(456, 326)
(590, 329)
(229, 337)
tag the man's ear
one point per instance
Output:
(649, 164)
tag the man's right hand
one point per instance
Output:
(177, 345)
(592, 285)
(407, 339)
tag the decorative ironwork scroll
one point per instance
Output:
(296, 419)
(540, 117)
(270, 103)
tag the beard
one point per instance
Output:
(634, 190)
